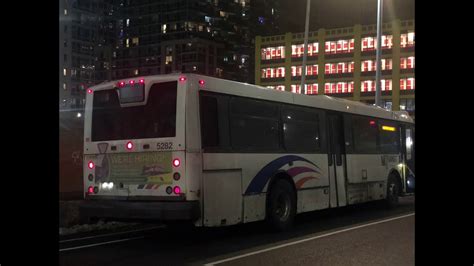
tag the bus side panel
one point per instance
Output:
(362, 168)
(222, 197)
(254, 207)
(313, 199)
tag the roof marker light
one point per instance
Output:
(372, 122)
(129, 145)
(121, 84)
(89, 91)
(202, 82)
(182, 79)
(141, 81)
(132, 82)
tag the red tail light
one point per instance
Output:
(91, 165)
(176, 162)
(90, 190)
(177, 190)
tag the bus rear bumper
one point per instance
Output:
(139, 210)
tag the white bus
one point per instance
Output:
(218, 152)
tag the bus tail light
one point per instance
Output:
(91, 165)
(177, 190)
(176, 162)
(90, 190)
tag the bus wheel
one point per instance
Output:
(393, 190)
(281, 206)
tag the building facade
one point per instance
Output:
(341, 63)
(213, 38)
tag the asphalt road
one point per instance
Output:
(366, 234)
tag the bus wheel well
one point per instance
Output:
(395, 174)
(285, 176)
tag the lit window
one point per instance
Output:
(127, 44)
(273, 53)
(311, 88)
(64, 72)
(163, 28)
(135, 72)
(295, 88)
(127, 22)
(64, 86)
(65, 12)
(135, 41)
(168, 59)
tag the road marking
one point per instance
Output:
(99, 244)
(307, 239)
(111, 234)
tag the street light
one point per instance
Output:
(305, 48)
(379, 52)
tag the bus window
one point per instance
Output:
(389, 137)
(409, 143)
(301, 130)
(156, 119)
(365, 134)
(254, 125)
(209, 122)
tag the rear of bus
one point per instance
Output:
(134, 151)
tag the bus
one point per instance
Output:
(214, 152)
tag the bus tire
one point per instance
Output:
(281, 206)
(393, 191)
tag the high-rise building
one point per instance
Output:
(341, 63)
(208, 37)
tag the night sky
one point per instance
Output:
(340, 13)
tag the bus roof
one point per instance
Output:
(263, 93)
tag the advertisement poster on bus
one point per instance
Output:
(135, 168)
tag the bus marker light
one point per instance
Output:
(121, 84)
(387, 128)
(177, 190)
(202, 82)
(372, 122)
(129, 145)
(182, 79)
(132, 82)
(91, 165)
(141, 81)
(89, 91)
(176, 162)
